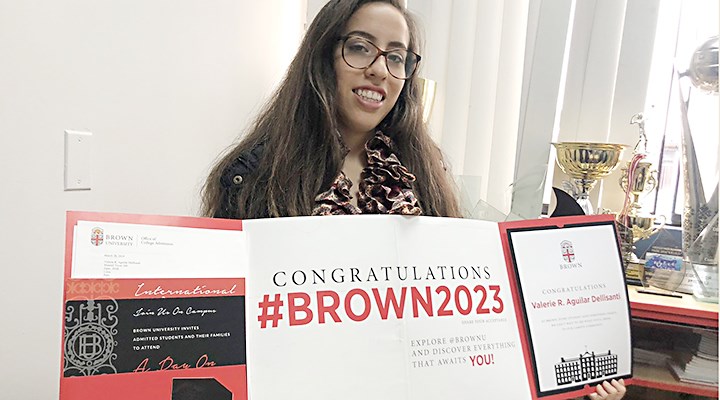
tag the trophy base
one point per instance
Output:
(706, 286)
(634, 272)
(660, 292)
(706, 299)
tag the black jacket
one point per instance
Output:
(232, 179)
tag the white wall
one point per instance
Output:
(163, 85)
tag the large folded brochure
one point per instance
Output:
(352, 307)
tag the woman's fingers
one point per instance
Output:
(619, 386)
(609, 388)
(613, 390)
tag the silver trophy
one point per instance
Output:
(700, 217)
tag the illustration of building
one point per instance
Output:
(586, 367)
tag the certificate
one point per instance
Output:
(572, 296)
(154, 307)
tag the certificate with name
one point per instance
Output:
(154, 308)
(572, 297)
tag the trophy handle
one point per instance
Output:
(652, 184)
(662, 225)
(623, 180)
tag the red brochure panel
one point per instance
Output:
(153, 308)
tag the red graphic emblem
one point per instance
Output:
(568, 253)
(97, 236)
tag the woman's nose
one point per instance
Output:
(378, 67)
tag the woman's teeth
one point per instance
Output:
(368, 95)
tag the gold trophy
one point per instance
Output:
(638, 178)
(640, 227)
(586, 163)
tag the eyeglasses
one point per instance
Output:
(360, 53)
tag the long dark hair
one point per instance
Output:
(303, 153)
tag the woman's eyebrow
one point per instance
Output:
(373, 38)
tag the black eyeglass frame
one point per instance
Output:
(380, 53)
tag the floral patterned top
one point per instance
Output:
(385, 186)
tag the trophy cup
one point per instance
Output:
(586, 163)
(638, 176)
(642, 227)
(643, 182)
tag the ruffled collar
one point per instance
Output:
(385, 186)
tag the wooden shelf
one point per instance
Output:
(684, 310)
(657, 377)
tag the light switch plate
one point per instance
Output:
(78, 160)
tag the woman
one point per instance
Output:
(344, 133)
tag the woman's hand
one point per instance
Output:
(613, 390)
